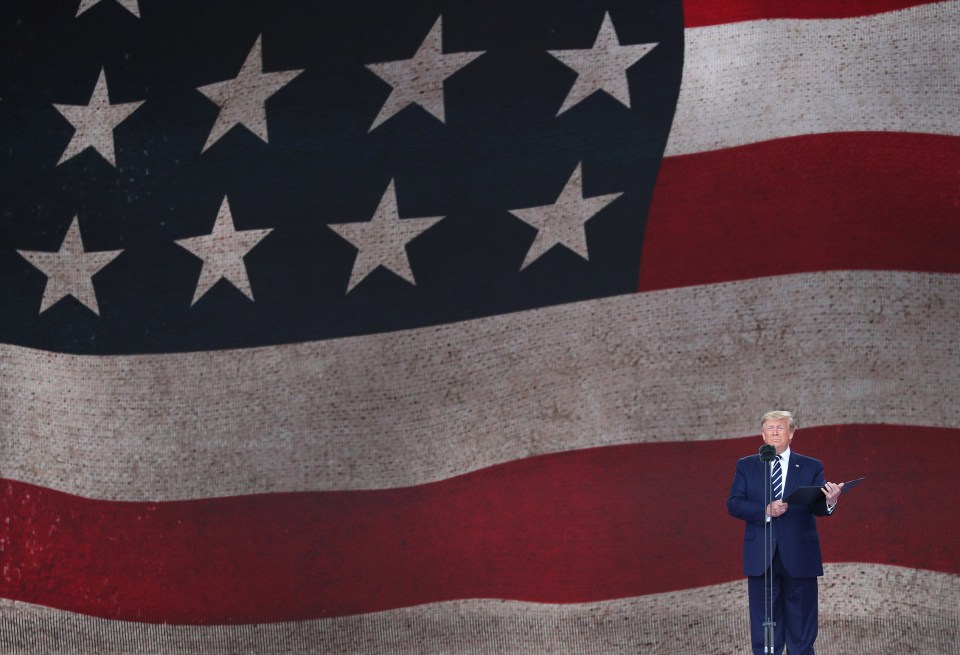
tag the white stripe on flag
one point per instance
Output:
(865, 608)
(422, 405)
(760, 80)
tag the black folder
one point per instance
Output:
(810, 495)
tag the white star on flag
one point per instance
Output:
(562, 223)
(129, 5)
(420, 80)
(242, 100)
(382, 241)
(94, 122)
(70, 270)
(601, 67)
(222, 252)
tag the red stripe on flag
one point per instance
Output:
(858, 201)
(699, 13)
(572, 527)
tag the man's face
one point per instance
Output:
(777, 433)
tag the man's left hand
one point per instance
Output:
(832, 492)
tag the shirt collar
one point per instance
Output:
(785, 457)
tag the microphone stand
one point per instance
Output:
(767, 455)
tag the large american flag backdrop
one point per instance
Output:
(438, 326)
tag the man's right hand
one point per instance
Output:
(776, 508)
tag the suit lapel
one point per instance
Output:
(762, 472)
(793, 477)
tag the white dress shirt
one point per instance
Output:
(784, 464)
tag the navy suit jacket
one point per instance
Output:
(794, 533)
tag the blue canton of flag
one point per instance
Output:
(185, 176)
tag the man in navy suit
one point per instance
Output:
(794, 559)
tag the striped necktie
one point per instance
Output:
(776, 479)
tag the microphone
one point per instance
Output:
(767, 453)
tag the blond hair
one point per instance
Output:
(776, 415)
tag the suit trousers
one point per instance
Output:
(794, 605)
